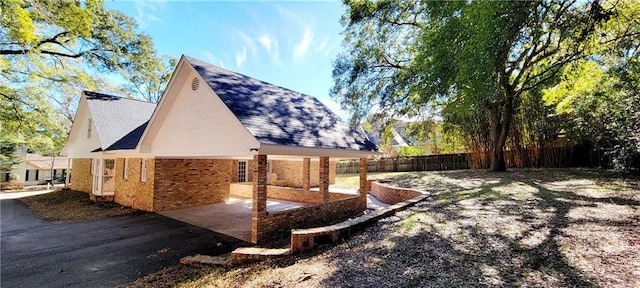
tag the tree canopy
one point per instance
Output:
(50, 51)
(476, 60)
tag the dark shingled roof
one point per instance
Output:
(275, 115)
(119, 121)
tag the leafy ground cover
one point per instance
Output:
(69, 205)
(540, 228)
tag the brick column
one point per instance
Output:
(306, 174)
(324, 178)
(363, 180)
(259, 212)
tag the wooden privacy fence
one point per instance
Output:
(405, 164)
(549, 157)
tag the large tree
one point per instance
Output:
(150, 84)
(477, 58)
(51, 49)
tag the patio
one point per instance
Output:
(232, 218)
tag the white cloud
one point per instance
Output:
(248, 41)
(241, 57)
(271, 45)
(213, 59)
(302, 47)
(322, 46)
(145, 13)
(266, 41)
(209, 56)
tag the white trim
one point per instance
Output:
(272, 149)
(125, 170)
(96, 170)
(143, 170)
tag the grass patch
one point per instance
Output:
(69, 205)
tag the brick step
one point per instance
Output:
(101, 198)
(250, 254)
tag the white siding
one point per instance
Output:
(200, 124)
(80, 145)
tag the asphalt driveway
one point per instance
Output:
(98, 253)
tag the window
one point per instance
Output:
(26, 176)
(89, 129)
(242, 171)
(108, 173)
(37, 176)
(125, 171)
(143, 170)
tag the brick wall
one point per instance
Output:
(183, 183)
(285, 193)
(279, 224)
(132, 191)
(289, 173)
(392, 195)
(81, 179)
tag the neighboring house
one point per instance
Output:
(35, 169)
(216, 134)
(39, 169)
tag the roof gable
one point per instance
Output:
(275, 115)
(119, 122)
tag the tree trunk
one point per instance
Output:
(497, 160)
(501, 121)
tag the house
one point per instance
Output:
(40, 169)
(216, 134)
(35, 169)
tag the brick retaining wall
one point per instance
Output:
(275, 225)
(392, 195)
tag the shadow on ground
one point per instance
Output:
(552, 228)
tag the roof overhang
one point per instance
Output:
(283, 150)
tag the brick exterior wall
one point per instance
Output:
(280, 224)
(289, 173)
(392, 195)
(184, 183)
(285, 193)
(132, 191)
(81, 179)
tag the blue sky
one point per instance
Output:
(290, 44)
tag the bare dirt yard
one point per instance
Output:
(69, 205)
(523, 228)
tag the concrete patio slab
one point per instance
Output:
(232, 218)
